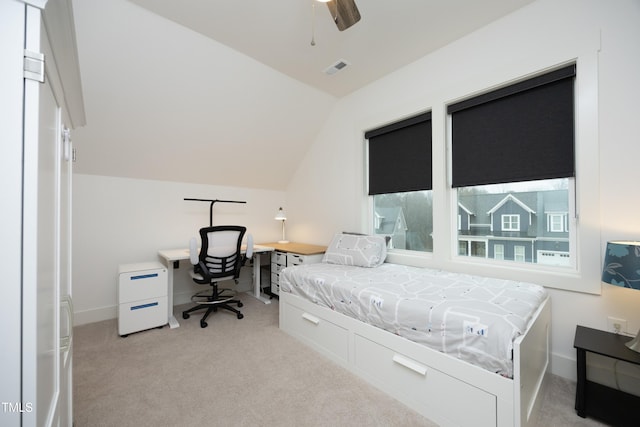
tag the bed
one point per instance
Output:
(459, 349)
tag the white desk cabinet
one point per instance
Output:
(142, 297)
(288, 254)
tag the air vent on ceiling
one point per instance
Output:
(334, 68)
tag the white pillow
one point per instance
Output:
(361, 251)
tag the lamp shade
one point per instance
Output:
(622, 264)
(280, 215)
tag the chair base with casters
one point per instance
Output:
(212, 301)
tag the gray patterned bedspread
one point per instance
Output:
(470, 317)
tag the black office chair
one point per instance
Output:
(219, 259)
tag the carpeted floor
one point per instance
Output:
(239, 372)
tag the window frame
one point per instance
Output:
(403, 132)
(562, 223)
(583, 274)
(508, 219)
(453, 194)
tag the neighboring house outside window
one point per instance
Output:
(391, 222)
(495, 223)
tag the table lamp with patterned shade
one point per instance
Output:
(622, 268)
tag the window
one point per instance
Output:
(479, 248)
(406, 219)
(556, 223)
(513, 167)
(510, 222)
(399, 160)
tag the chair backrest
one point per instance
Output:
(220, 251)
(249, 252)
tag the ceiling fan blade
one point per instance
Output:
(345, 13)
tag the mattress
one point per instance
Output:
(473, 318)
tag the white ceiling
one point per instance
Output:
(232, 93)
(391, 33)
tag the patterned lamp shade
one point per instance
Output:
(622, 264)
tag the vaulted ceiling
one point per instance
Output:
(278, 33)
(232, 92)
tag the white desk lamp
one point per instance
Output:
(281, 216)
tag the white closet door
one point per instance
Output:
(65, 411)
(11, 98)
(41, 237)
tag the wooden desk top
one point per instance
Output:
(299, 248)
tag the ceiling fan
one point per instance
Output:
(345, 13)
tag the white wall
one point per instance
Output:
(122, 220)
(327, 193)
(155, 89)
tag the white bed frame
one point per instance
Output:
(448, 391)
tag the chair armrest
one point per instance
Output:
(202, 269)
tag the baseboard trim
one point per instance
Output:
(94, 315)
(563, 366)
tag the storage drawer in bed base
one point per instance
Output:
(435, 392)
(444, 389)
(321, 334)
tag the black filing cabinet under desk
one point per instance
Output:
(596, 400)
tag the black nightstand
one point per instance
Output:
(598, 401)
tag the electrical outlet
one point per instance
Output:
(615, 325)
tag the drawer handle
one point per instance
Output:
(310, 318)
(144, 276)
(140, 307)
(410, 364)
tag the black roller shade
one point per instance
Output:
(400, 156)
(522, 132)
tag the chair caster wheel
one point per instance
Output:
(185, 315)
(240, 304)
(240, 315)
(203, 324)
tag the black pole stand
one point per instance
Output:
(211, 206)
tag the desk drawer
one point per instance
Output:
(142, 284)
(440, 393)
(297, 259)
(278, 257)
(277, 268)
(275, 283)
(140, 315)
